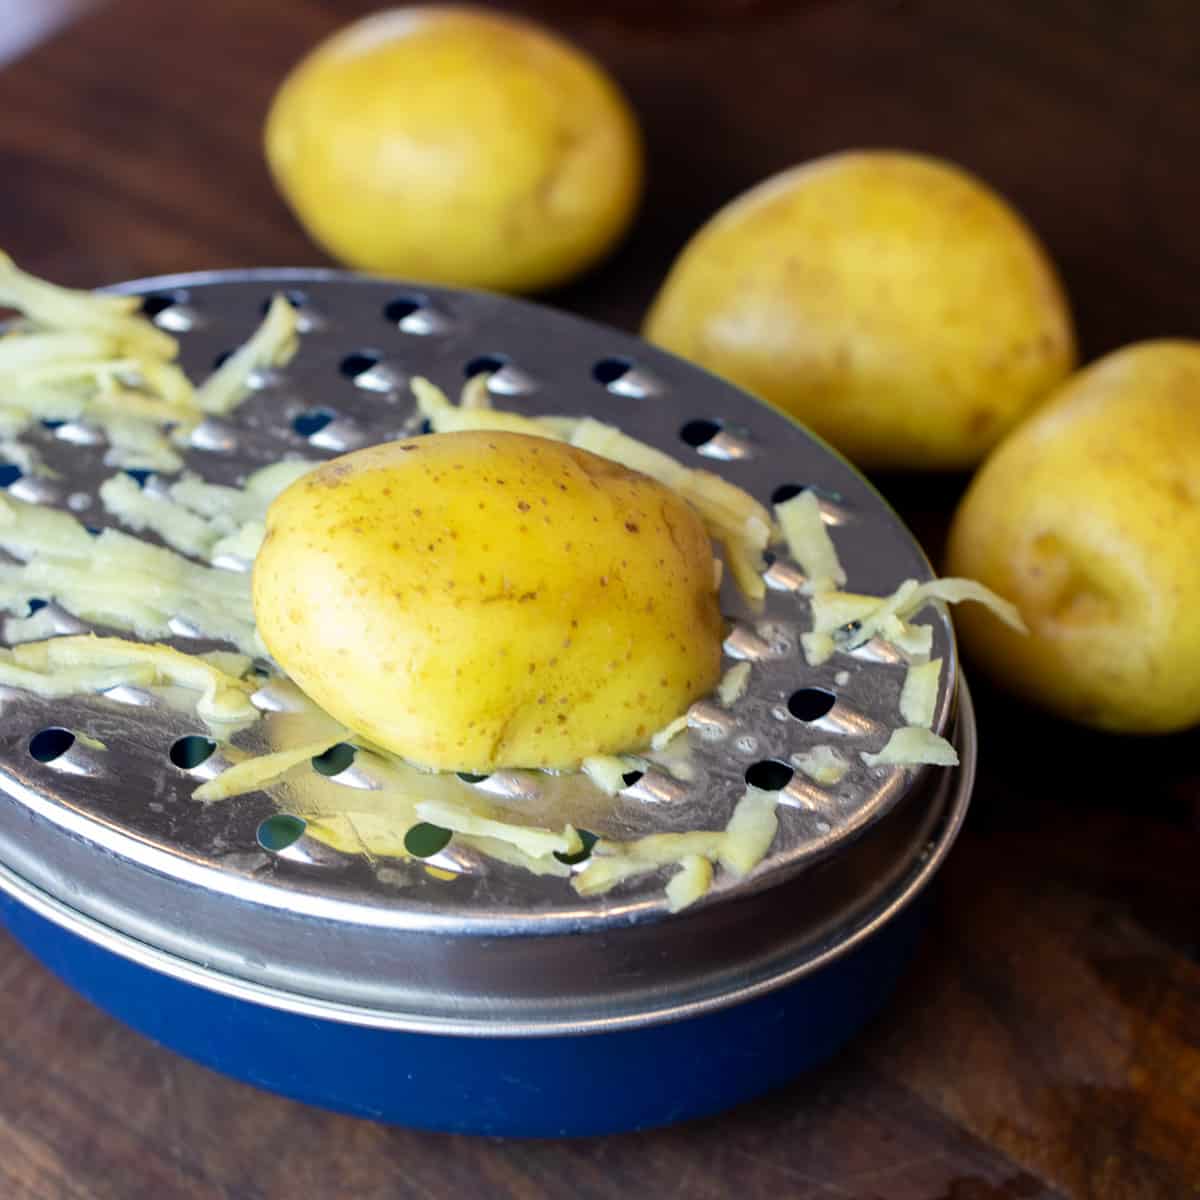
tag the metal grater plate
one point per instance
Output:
(114, 831)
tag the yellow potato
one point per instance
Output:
(1088, 518)
(892, 303)
(456, 146)
(480, 600)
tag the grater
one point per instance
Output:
(100, 836)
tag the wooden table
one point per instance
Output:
(1047, 1042)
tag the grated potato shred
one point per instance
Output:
(912, 745)
(809, 543)
(48, 667)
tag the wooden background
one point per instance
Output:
(1047, 1042)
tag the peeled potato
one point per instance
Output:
(1087, 517)
(480, 600)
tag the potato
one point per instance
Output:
(456, 145)
(893, 303)
(478, 600)
(1088, 518)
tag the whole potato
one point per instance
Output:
(456, 145)
(473, 601)
(893, 303)
(1087, 517)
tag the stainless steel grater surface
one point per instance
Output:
(113, 833)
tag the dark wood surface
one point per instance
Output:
(1047, 1041)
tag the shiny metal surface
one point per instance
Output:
(638, 975)
(115, 836)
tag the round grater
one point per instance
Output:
(227, 904)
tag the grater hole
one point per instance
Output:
(583, 853)
(48, 744)
(36, 489)
(36, 605)
(425, 840)
(139, 476)
(295, 297)
(810, 704)
(402, 306)
(158, 302)
(359, 363)
(214, 435)
(52, 423)
(334, 760)
(413, 314)
(9, 474)
(768, 558)
(340, 435)
(312, 420)
(78, 433)
(280, 831)
(608, 370)
(485, 364)
(699, 433)
(182, 627)
(787, 491)
(170, 311)
(469, 777)
(631, 777)
(190, 751)
(625, 377)
(769, 775)
(832, 511)
(712, 438)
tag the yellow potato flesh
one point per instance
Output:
(480, 600)
(892, 303)
(1088, 518)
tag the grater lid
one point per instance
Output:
(109, 828)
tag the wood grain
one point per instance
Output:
(1047, 1042)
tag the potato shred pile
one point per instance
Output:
(81, 357)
